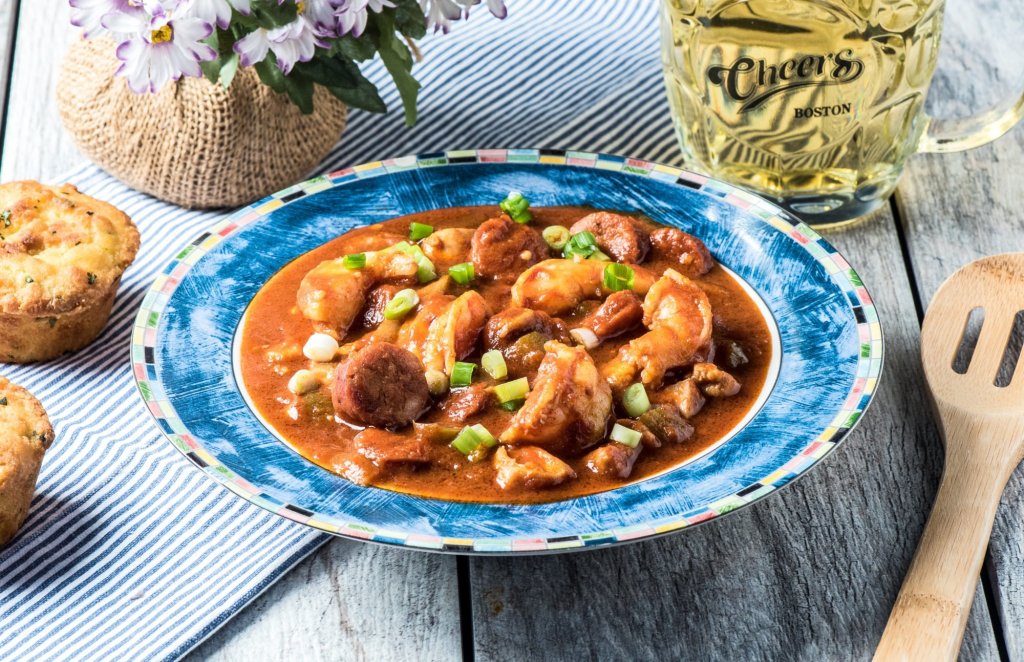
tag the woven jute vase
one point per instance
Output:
(193, 143)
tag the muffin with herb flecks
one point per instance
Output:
(62, 255)
(25, 434)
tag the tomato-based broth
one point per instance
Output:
(362, 413)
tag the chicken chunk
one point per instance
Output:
(448, 247)
(529, 467)
(684, 396)
(714, 381)
(613, 460)
(568, 407)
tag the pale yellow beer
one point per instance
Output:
(816, 105)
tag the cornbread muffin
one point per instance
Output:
(62, 254)
(25, 434)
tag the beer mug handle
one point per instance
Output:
(957, 135)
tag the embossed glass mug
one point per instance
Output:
(814, 104)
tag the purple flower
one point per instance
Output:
(218, 11)
(441, 13)
(295, 42)
(352, 15)
(88, 14)
(160, 47)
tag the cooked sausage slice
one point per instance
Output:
(381, 385)
(617, 235)
(621, 312)
(502, 249)
(463, 403)
(376, 301)
(509, 325)
(689, 251)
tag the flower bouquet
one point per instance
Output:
(215, 103)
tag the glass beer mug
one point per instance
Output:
(814, 104)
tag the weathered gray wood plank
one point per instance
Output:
(36, 145)
(959, 207)
(808, 574)
(7, 21)
(349, 601)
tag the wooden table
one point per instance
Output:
(808, 574)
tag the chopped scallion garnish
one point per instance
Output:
(635, 400)
(474, 441)
(618, 277)
(401, 304)
(556, 236)
(462, 273)
(487, 439)
(462, 374)
(494, 364)
(354, 261)
(583, 244)
(625, 436)
(512, 405)
(466, 441)
(419, 231)
(514, 390)
(598, 255)
(425, 271)
(517, 207)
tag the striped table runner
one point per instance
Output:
(129, 551)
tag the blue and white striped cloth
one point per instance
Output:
(129, 551)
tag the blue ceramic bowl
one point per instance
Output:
(828, 349)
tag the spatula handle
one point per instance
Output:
(928, 619)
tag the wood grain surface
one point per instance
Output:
(808, 574)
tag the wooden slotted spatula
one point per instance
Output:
(983, 428)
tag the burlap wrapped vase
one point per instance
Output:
(193, 143)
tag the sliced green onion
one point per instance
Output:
(462, 273)
(598, 255)
(487, 439)
(425, 271)
(556, 236)
(514, 390)
(512, 405)
(462, 374)
(419, 231)
(354, 261)
(583, 244)
(635, 400)
(401, 304)
(517, 206)
(494, 364)
(625, 436)
(618, 277)
(466, 441)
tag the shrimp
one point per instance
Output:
(332, 295)
(568, 407)
(448, 247)
(678, 314)
(557, 286)
(452, 334)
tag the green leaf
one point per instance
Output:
(409, 19)
(343, 79)
(398, 61)
(269, 14)
(270, 75)
(228, 69)
(211, 70)
(357, 50)
(300, 90)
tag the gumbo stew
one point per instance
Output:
(504, 354)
